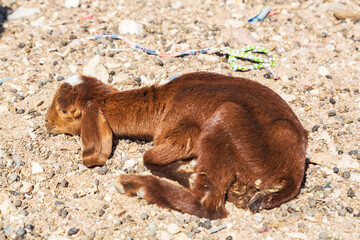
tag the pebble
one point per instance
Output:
(60, 78)
(17, 203)
(23, 13)
(128, 26)
(36, 168)
(173, 228)
(64, 213)
(20, 232)
(95, 68)
(332, 101)
(73, 231)
(336, 169)
(229, 238)
(153, 228)
(29, 227)
(324, 235)
(13, 177)
(332, 113)
(349, 209)
(345, 175)
(351, 193)
(217, 228)
(64, 183)
(26, 187)
(101, 212)
(144, 215)
(72, 3)
(129, 163)
(342, 212)
(207, 224)
(24, 212)
(102, 170)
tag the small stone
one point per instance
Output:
(112, 73)
(340, 152)
(353, 152)
(97, 182)
(72, 3)
(20, 111)
(345, 175)
(95, 68)
(153, 228)
(102, 170)
(129, 163)
(312, 202)
(332, 114)
(336, 169)
(351, 193)
(26, 187)
(20, 232)
(29, 227)
(21, 45)
(144, 215)
(215, 229)
(64, 183)
(207, 224)
(267, 75)
(131, 27)
(315, 128)
(229, 238)
(349, 209)
(17, 203)
(328, 76)
(342, 212)
(36, 168)
(60, 78)
(101, 212)
(324, 235)
(161, 63)
(24, 212)
(64, 213)
(73, 231)
(13, 177)
(75, 195)
(173, 228)
(51, 174)
(332, 101)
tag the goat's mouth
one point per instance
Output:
(50, 128)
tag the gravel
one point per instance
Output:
(319, 69)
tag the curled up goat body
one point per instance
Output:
(249, 145)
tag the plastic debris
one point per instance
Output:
(87, 17)
(5, 79)
(173, 77)
(244, 54)
(261, 16)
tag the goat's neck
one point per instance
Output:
(135, 113)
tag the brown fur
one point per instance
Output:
(249, 144)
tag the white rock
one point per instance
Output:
(95, 68)
(164, 235)
(26, 187)
(324, 158)
(23, 12)
(347, 162)
(145, 81)
(181, 236)
(323, 71)
(173, 228)
(131, 27)
(36, 168)
(72, 3)
(176, 5)
(129, 163)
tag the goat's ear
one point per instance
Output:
(66, 96)
(96, 136)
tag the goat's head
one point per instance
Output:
(75, 111)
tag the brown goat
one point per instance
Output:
(249, 144)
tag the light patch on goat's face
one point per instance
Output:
(74, 80)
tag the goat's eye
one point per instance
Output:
(63, 111)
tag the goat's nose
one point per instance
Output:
(46, 120)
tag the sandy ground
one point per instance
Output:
(45, 191)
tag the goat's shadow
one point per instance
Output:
(4, 12)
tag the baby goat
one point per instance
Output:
(249, 144)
